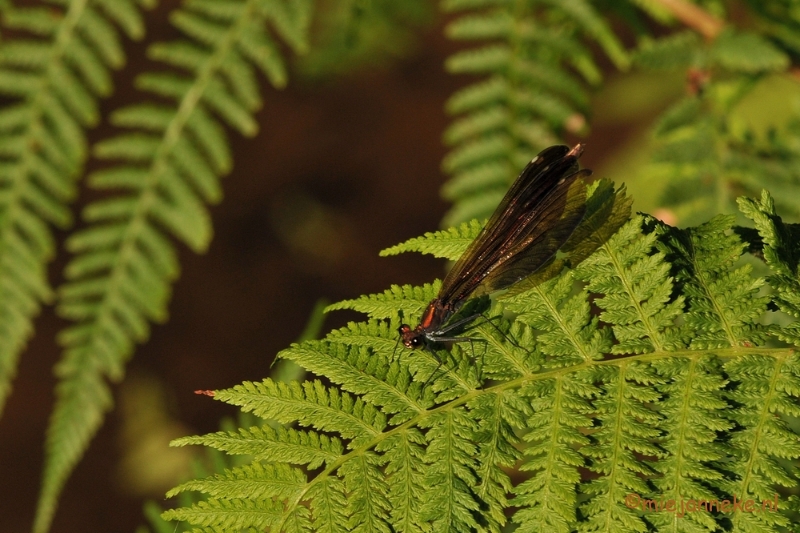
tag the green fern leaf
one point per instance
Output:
(456, 240)
(683, 113)
(408, 299)
(475, 179)
(52, 80)
(274, 445)
(527, 98)
(677, 51)
(496, 417)
(782, 255)
(120, 279)
(709, 152)
(368, 503)
(427, 440)
(568, 337)
(253, 481)
(766, 389)
(311, 404)
(557, 424)
(363, 371)
(747, 52)
(329, 506)
(691, 434)
(449, 473)
(637, 291)
(617, 446)
(480, 26)
(724, 306)
(594, 25)
(352, 36)
(229, 514)
(404, 453)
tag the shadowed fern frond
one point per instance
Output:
(706, 148)
(672, 391)
(534, 67)
(167, 165)
(54, 68)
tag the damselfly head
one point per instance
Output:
(411, 337)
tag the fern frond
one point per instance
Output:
(496, 416)
(167, 165)
(557, 424)
(455, 239)
(681, 421)
(778, 21)
(311, 404)
(748, 53)
(706, 150)
(528, 96)
(282, 445)
(767, 389)
(673, 52)
(782, 255)
(367, 500)
(406, 298)
(264, 481)
(634, 364)
(636, 291)
(404, 453)
(329, 506)
(695, 415)
(568, 336)
(724, 306)
(364, 371)
(627, 429)
(230, 514)
(450, 472)
(53, 71)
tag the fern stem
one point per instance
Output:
(694, 16)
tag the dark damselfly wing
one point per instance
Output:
(535, 218)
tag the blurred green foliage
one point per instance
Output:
(701, 99)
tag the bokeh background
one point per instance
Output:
(343, 167)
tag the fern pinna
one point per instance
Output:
(643, 376)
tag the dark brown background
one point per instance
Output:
(351, 165)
